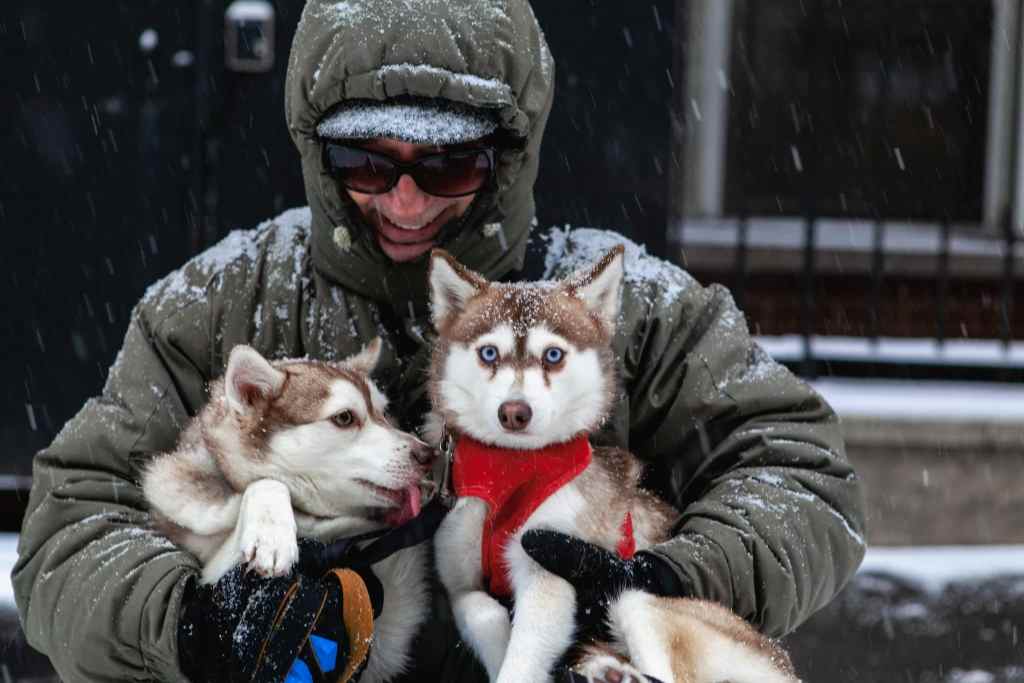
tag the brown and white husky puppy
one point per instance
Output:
(523, 372)
(297, 448)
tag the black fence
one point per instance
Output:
(877, 271)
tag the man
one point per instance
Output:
(419, 124)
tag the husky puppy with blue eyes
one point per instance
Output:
(521, 375)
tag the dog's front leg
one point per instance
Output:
(187, 488)
(265, 535)
(482, 621)
(544, 622)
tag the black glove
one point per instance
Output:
(318, 619)
(599, 575)
(295, 628)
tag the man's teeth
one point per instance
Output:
(410, 226)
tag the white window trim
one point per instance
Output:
(999, 194)
(710, 25)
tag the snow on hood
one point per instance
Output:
(424, 122)
(485, 54)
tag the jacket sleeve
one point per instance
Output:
(97, 591)
(772, 521)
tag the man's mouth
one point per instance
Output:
(406, 243)
(411, 233)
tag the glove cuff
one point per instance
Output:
(660, 578)
(192, 632)
(322, 630)
(357, 616)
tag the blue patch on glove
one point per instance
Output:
(299, 673)
(326, 652)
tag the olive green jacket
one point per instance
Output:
(772, 521)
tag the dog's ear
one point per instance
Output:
(451, 286)
(366, 360)
(250, 379)
(599, 286)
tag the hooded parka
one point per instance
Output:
(772, 523)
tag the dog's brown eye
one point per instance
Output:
(344, 419)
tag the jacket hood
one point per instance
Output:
(488, 54)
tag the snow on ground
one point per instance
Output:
(960, 352)
(8, 555)
(924, 400)
(935, 567)
(927, 400)
(839, 234)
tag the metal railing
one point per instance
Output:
(740, 248)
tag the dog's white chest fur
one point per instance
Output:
(406, 602)
(543, 600)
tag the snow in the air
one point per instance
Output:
(238, 249)
(149, 40)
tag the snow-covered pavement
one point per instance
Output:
(936, 567)
(8, 555)
(924, 400)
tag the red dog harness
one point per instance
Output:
(514, 484)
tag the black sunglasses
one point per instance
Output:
(452, 173)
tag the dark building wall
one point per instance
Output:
(121, 162)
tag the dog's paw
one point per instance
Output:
(269, 547)
(608, 669)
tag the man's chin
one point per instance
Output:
(401, 253)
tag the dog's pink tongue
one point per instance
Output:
(410, 506)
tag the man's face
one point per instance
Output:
(406, 220)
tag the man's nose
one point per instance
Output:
(407, 194)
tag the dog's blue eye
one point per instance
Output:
(553, 355)
(488, 354)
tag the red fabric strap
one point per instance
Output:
(627, 543)
(514, 484)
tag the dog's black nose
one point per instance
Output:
(422, 453)
(514, 415)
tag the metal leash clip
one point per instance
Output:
(447, 448)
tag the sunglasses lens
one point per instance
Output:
(455, 174)
(360, 170)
